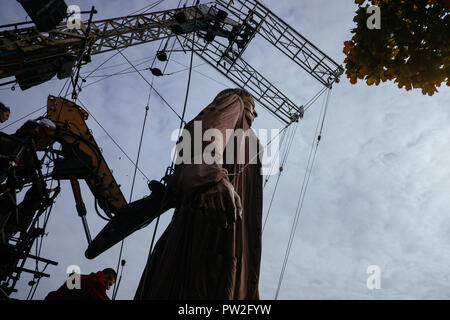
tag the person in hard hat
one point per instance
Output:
(91, 287)
(4, 113)
(39, 130)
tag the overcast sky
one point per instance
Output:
(378, 194)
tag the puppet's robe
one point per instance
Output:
(197, 259)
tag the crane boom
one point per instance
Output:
(21, 46)
(222, 31)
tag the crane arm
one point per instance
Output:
(82, 158)
(20, 47)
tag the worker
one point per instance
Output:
(92, 287)
(12, 152)
(26, 211)
(212, 247)
(4, 113)
(40, 132)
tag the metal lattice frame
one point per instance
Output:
(244, 75)
(245, 19)
(25, 45)
(286, 39)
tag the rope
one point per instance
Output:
(37, 284)
(116, 74)
(112, 139)
(140, 145)
(99, 68)
(290, 134)
(33, 112)
(206, 76)
(307, 176)
(173, 162)
(147, 7)
(25, 116)
(266, 181)
(38, 250)
(129, 72)
(162, 98)
(291, 137)
(116, 288)
(188, 85)
(123, 70)
(103, 63)
(281, 131)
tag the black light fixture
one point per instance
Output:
(36, 76)
(180, 17)
(46, 14)
(66, 64)
(161, 55)
(156, 72)
(221, 15)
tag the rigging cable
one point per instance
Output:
(49, 209)
(39, 247)
(146, 8)
(129, 72)
(118, 72)
(114, 65)
(103, 63)
(173, 160)
(116, 287)
(291, 136)
(33, 112)
(266, 180)
(112, 139)
(162, 98)
(25, 116)
(46, 218)
(206, 76)
(310, 102)
(311, 160)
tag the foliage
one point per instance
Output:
(412, 47)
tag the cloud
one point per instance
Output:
(377, 195)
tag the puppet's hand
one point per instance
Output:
(221, 203)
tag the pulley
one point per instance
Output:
(156, 72)
(162, 56)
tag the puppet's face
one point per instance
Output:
(249, 109)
